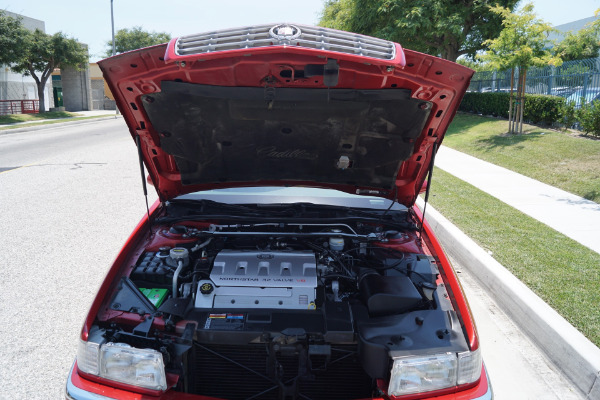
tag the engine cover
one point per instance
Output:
(260, 279)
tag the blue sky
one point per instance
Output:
(89, 20)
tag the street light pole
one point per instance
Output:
(112, 23)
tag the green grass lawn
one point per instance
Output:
(569, 162)
(15, 118)
(561, 271)
(11, 121)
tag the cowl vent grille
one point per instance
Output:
(286, 35)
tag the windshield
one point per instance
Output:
(290, 195)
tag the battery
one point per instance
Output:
(156, 296)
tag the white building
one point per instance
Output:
(573, 27)
(15, 86)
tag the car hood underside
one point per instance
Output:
(332, 136)
(286, 116)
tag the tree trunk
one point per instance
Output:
(450, 53)
(41, 84)
(41, 96)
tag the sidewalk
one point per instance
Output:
(92, 116)
(95, 113)
(567, 213)
(575, 355)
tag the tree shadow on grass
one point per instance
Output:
(593, 195)
(504, 140)
(465, 122)
(507, 140)
(10, 119)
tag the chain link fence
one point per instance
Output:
(17, 90)
(573, 80)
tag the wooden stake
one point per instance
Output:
(510, 104)
(519, 102)
(522, 100)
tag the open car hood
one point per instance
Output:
(286, 105)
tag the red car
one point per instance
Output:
(285, 258)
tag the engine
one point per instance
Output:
(311, 308)
(258, 273)
(260, 279)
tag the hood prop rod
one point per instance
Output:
(429, 176)
(144, 186)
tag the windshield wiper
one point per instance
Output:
(208, 206)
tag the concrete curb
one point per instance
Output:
(567, 348)
(26, 128)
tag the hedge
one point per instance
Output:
(539, 109)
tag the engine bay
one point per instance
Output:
(300, 299)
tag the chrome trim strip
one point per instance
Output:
(72, 392)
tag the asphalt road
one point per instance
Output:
(69, 198)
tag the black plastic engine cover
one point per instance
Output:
(388, 295)
(415, 333)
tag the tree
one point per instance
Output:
(43, 53)
(521, 44)
(581, 45)
(474, 64)
(37, 54)
(446, 28)
(135, 38)
(12, 39)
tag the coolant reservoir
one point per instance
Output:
(336, 244)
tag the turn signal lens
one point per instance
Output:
(469, 367)
(87, 357)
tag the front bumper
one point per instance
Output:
(72, 392)
(91, 391)
(489, 394)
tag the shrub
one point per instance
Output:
(568, 116)
(588, 117)
(539, 109)
(543, 109)
(494, 103)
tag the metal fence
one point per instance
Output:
(573, 80)
(19, 107)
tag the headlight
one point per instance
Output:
(122, 363)
(412, 375)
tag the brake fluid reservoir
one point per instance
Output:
(178, 254)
